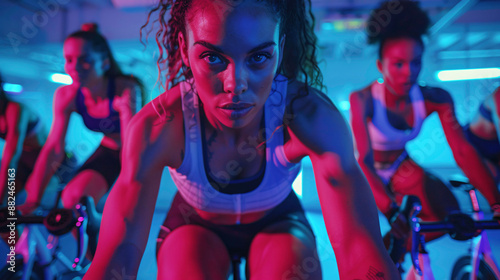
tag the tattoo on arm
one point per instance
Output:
(374, 274)
(169, 116)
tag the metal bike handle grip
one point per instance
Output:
(492, 224)
(397, 247)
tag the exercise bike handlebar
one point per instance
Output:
(58, 221)
(459, 226)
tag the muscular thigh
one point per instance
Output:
(436, 198)
(408, 178)
(87, 182)
(192, 252)
(284, 250)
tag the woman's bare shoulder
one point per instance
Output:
(316, 123)
(301, 97)
(64, 97)
(165, 108)
(160, 124)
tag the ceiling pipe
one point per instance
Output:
(459, 9)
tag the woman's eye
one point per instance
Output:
(87, 60)
(259, 58)
(212, 59)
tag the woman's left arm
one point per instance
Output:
(127, 104)
(464, 153)
(319, 131)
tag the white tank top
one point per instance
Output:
(383, 136)
(191, 178)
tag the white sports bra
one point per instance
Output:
(383, 136)
(279, 173)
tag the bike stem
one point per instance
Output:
(82, 237)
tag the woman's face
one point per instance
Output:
(234, 53)
(81, 63)
(400, 64)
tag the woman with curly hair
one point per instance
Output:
(106, 99)
(385, 116)
(239, 115)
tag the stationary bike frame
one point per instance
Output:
(33, 246)
(480, 246)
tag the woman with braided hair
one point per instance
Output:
(385, 116)
(106, 99)
(239, 114)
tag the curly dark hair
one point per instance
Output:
(397, 19)
(296, 23)
(89, 33)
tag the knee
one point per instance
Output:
(193, 252)
(309, 268)
(286, 250)
(71, 196)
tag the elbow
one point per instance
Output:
(366, 160)
(55, 150)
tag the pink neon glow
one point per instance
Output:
(475, 204)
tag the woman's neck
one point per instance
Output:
(251, 133)
(393, 99)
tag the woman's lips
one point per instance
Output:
(236, 110)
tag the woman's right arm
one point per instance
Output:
(130, 205)
(385, 202)
(53, 152)
(17, 122)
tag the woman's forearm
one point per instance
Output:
(383, 200)
(354, 228)
(478, 173)
(124, 231)
(45, 167)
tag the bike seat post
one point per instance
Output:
(60, 189)
(236, 261)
